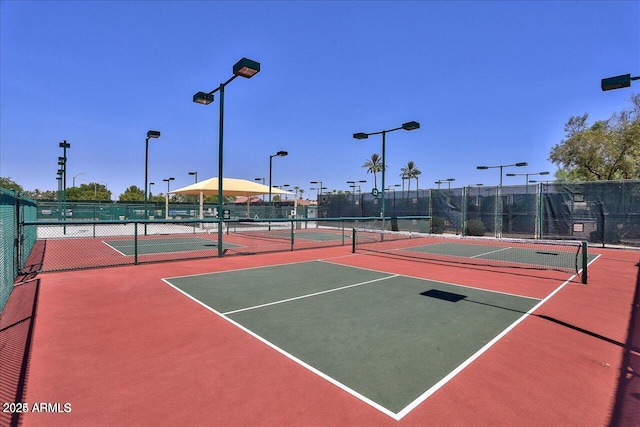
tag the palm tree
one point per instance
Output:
(410, 171)
(374, 165)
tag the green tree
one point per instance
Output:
(9, 184)
(409, 172)
(605, 150)
(374, 165)
(40, 194)
(90, 191)
(132, 194)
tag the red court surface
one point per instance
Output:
(117, 346)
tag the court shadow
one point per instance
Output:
(453, 297)
(16, 332)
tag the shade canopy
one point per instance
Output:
(230, 187)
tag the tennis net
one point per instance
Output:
(561, 255)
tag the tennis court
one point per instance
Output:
(328, 336)
(388, 339)
(164, 245)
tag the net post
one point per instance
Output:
(292, 234)
(353, 240)
(135, 243)
(585, 262)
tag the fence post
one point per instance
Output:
(464, 211)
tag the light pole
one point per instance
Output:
(74, 178)
(246, 68)
(498, 231)
(278, 154)
(442, 181)
(166, 198)
(520, 164)
(353, 185)
(62, 161)
(318, 192)
(617, 82)
(526, 180)
(363, 135)
(319, 189)
(150, 134)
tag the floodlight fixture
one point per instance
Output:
(153, 134)
(617, 82)
(411, 126)
(203, 98)
(246, 68)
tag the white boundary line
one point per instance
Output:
(292, 357)
(477, 354)
(310, 295)
(414, 404)
(437, 281)
(491, 252)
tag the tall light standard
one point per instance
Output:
(278, 154)
(319, 189)
(62, 161)
(617, 82)
(520, 164)
(498, 231)
(448, 181)
(150, 134)
(74, 179)
(195, 174)
(526, 180)
(363, 135)
(166, 198)
(246, 68)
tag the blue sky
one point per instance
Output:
(490, 82)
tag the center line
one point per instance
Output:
(491, 252)
(309, 295)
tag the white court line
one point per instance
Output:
(491, 252)
(435, 281)
(310, 295)
(477, 354)
(290, 356)
(414, 404)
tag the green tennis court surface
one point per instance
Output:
(385, 338)
(547, 257)
(165, 245)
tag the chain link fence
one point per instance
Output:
(604, 212)
(14, 245)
